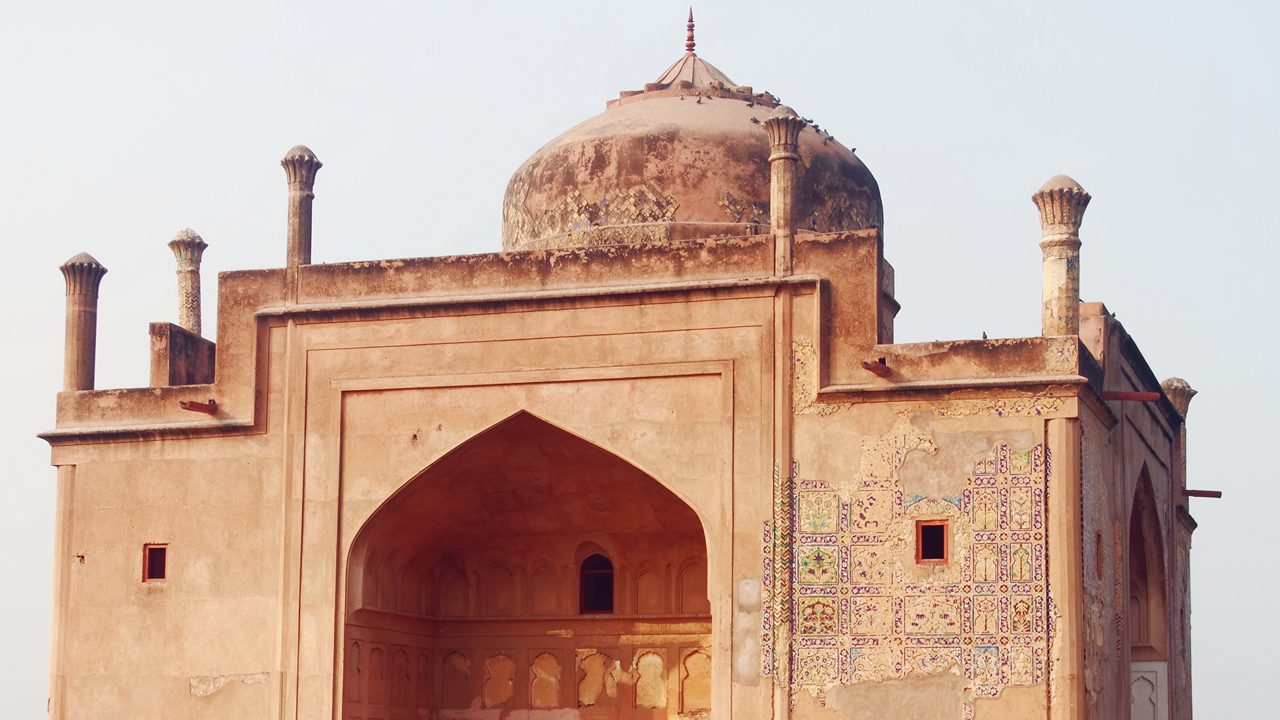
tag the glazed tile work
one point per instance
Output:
(643, 203)
(776, 571)
(863, 610)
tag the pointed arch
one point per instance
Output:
(1147, 621)
(410, 495)
(648, 594)
(489, 546)
(498, 591)
(596, 584)
(543, 589)
(691, 585)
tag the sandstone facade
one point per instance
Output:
(643, 467)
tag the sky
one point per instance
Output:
(122, 123)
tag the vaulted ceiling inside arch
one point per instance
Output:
(521, 479)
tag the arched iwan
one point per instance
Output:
(1146, 616)
(474, 566)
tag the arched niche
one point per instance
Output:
(1147, 623)
(483, 552)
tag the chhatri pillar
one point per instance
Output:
(783, 127)
(83, 275)
(188, 247)
(300, 166)
(1061, 202)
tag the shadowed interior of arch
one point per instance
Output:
(1147, 621)
(463, 589)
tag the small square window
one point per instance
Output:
(932, 542)
(154, 559)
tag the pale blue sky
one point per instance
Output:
(121, 123)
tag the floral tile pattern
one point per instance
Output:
(861, 612)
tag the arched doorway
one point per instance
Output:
(1146, 620)
(528, 571)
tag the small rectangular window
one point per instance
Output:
(154, 559)
(932, 543)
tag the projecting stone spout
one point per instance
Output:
(1180, 393)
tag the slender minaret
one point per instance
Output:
(83, 275)
(187, 249)
(1061, 202)
(783, 127)
(300, 166)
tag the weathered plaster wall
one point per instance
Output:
(336, 385)
(872, 627)
(672, 388)
(1131, 457)
(1105, 536)
(350, 411)
(135, 649)
(203, 643)
(179, 356)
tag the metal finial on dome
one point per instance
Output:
(688, 41)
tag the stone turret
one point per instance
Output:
(300, 166)
(188, 247)
(83, 274)
(783, 127)
(1061, 202)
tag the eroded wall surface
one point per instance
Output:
(815, 602)
(873, 628)
(259, 523)
(1136, 543)
(1105, 537)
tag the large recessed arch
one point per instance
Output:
(462, 587)
(1147, 620)
(1146, 615)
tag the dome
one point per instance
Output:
(684, 158)
(300, 151)
(1060, 182)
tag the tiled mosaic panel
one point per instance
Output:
(858, 616)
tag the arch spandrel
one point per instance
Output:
(639, 454)
(470, 456)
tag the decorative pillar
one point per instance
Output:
(300, 166)
(783, 127)
(187, 249)
(83, 275)
(1061, 202)
(1064, 526)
